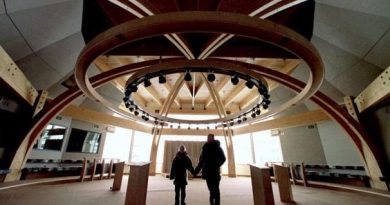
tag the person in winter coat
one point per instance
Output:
(210, 162)
(180, 164)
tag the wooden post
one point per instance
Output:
(284, 184)
(292, 173)
(110, 169)
(119, 169)
(138, 184)
(303, 174)
(83, 170)
(93, 170)
(261, 186)
(102, 171)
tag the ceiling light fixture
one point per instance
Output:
(187, 76)
(234, 80)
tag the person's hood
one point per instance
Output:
(181, 154)
(213, 143)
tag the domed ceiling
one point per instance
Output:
(44, 38)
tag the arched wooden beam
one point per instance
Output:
(226, 131)
(157, 132)
(367, 148)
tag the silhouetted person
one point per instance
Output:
(210, 162)
(180, 164)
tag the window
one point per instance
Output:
(267, 147)
(83, 141)
(51, 138)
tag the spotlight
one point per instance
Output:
(262, 89)
(239, 121)
(147, 82)
(234, 80)
(249, 84)
(231, 123)
(187, 76)
(266, 96)
(258, 112)
(126, 98)
(162, 79)
(211, 77)
(266, 101)
(155, 122)
(131, 109)
(253, 115)
(134, 88)
(161, 123)
(265, 106)
(127, 104)
(136, 113)
(171, 126)
(178, 126)
(127, 92)
(244, 118)
(224, 125)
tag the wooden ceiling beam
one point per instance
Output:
(241, 87)
(169, 88)
(223, 82)
(300, 119)
(119, 83)
(153, 93)
(288, 66)
(222, 38)
(177, 40)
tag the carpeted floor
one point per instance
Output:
(234, 191)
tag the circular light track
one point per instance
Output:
(201, 21)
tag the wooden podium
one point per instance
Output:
(138, 184)
(261, 186)
(117, 183)
(282, 173)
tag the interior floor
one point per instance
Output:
(161, 191)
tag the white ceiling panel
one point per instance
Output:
(352, 31)
(380, 54)
(45, 25)
(17, 5)
(336, 60)
(376, 7)
(2, 9)
(355, 79)
(38, 72)
(63, 54)
(11, 40)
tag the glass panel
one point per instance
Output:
(267, 147)
(142, 146)
(51, 138)
(83, 141)
(117, 144)
(242, 149)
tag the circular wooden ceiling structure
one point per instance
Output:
(212, 22)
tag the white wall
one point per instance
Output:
(338, 147)
(302, 144)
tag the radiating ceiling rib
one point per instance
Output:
(176, 40)
(224, 81)
(119, 83)
(169, 88)
(221, 40)
(234, 93)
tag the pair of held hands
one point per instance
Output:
(194, 173)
